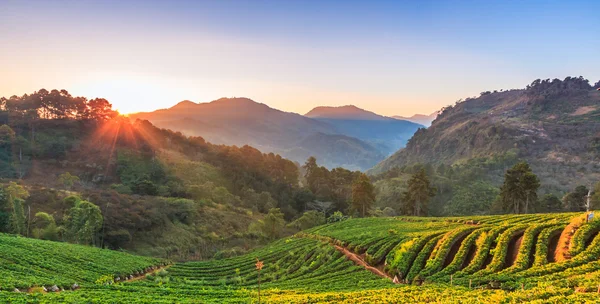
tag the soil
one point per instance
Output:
(564, 242)
(358, 260)
(513, 250)
(470, 256)
(552, 244)
(454, 250)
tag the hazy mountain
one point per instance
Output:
(385, 133)
(337, 151)
(421, 119)
(554, 125)
(242, 121)
(344, 112)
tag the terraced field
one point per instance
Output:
(488, 259)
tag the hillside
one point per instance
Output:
(384, 133)
(433, 260)
(421, 119)
(150, 191)
(29, 263)
(337, 151)
(242, 121)
(552, 124)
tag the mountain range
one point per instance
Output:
(346, 136)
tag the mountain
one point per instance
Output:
(337, 151)
(242, 121)
(385, 133)
(552, 124)
(422, 119)
(343, 112)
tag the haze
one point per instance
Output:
(393, 58)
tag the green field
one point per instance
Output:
(487, 259)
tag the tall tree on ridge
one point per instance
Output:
(363, 195)
(519, 189)
(419, 193)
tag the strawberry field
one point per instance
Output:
(494, 259)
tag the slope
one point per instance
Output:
(554, 125)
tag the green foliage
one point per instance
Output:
(472, 199)
(45, 263)
(576, 200)
(363, 196)
(336, 217)
(83, 222)
(307, 267)
(45, 228)
(68, 180)
(550, 203)
(271, 225)
(418, 194)
(518, 194)
(308, 220)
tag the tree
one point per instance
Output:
(531, 183)
(550, 203)
(16, 199)
(308, 220)
(272, 225)
(474, 198)
(419, 193)
(595, 200)
(310, 173)
(363, 195)
(519, 190)
(575, 201)
(44, 227)
(83, 221)
(68, 180)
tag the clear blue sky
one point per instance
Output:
(391, 57)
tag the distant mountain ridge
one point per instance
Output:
(344, 112)
(385, 133)
(242, 121)
(422, 119)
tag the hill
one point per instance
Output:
(421, 119)
(29, 263)
(536, 257)
(384, 133)
(337, 151)
(152, 191)
(552, 124)
(242, 121)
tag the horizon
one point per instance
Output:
(386, 57)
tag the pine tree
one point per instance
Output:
(519, 190)
(363, 195)
(419, 193)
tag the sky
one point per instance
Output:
(390, 57)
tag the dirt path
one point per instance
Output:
(454, 249)
(361, 262)
(564, 242)
(137, 278)
(513, 250)
(143, 276)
